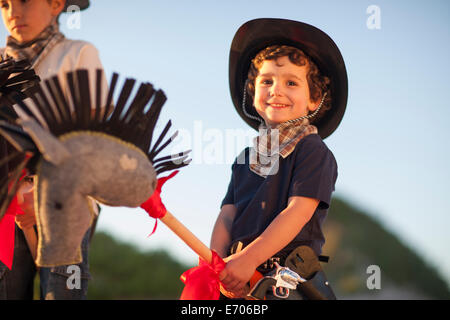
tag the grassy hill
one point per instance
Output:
(354, 241)
(120, 271)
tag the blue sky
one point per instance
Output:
(392, 145)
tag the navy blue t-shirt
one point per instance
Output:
(309, 171)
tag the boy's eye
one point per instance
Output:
(266, 81)
(291, 83)
(4, 5)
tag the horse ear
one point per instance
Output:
(50, 147)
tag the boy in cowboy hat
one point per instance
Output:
(288, 80)
(35, 36)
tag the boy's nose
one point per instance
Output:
(14, 11)
(275, 89)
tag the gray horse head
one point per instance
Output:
(102, 153)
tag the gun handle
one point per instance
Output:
(259, 290)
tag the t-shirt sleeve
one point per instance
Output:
(229, 196)
(315, 172)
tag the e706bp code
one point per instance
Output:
(246, 309)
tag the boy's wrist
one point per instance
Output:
(252, 257)
(220, 253)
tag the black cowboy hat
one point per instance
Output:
(255, 35)
(82, 4)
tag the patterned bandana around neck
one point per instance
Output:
(274, 142)
(36, 48)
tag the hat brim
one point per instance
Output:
(255, 35)
(82, 4)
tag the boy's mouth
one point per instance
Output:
(278, 105)
(19, 27)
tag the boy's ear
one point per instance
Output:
(313, 105)
(57, 6)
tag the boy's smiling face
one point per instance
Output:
(282, 91)
(26, 19)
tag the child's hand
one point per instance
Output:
(236, 275)
(234, 295)
(25, 200)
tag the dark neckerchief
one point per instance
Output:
(274, 142)
(36, 48)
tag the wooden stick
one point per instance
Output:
(199, 247)
(187, 236)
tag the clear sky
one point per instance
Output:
(392, 146)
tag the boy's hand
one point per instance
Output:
(25, 198)
(233, 295)
(236, 275)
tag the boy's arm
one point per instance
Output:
(221, 235)
(25, 198)
(241, 266)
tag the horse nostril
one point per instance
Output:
(58, 206)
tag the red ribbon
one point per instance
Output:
(154, 206)
(202, 282)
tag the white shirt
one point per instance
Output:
(69, 55)
(66, 56)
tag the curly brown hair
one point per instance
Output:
(318, 84)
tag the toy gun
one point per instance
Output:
(302, 272)
(284, 280)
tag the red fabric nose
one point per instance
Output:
(154, 206)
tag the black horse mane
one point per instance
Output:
(130, 120)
